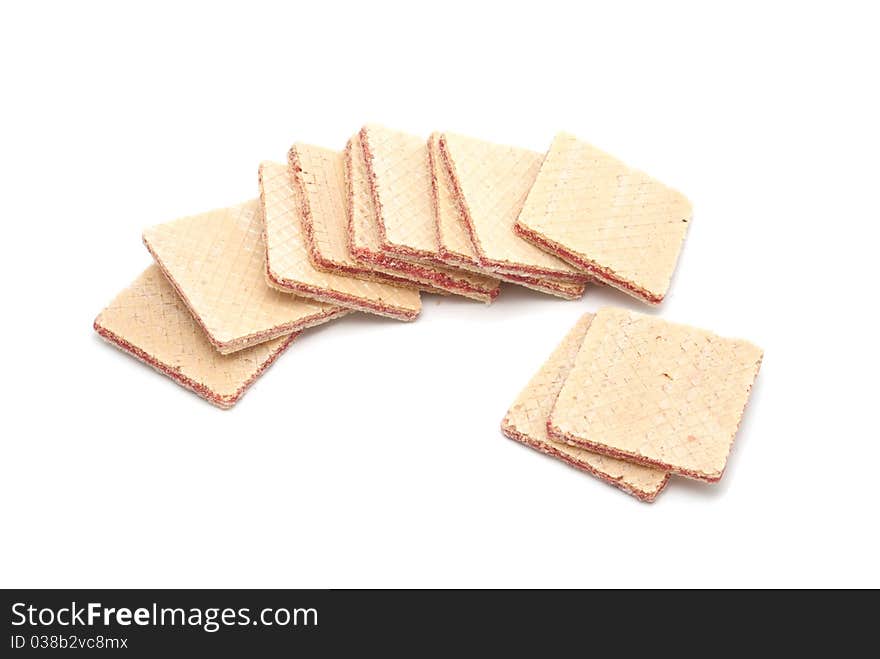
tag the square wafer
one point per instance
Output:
(399, 176)
(390, 195)
(526, 422)
(613, 222)
(454, 244)
(215, 261)
(491, 182)
(657, 393)
(149, 321)
(288, 267)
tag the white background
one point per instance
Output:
(370, 454)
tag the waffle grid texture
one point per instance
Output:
(491, 182)
(215, 261)
(326, 234)
(526, 422)
(454, 244)
(368, 245)
(658, 393)
(616, 223)
(149, 321)
(285, 200)
(399, 177)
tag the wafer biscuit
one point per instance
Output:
(491, 182)
(215, 262)
(285, 200)
(150, 321)
(454, 244)
(365, 240)
(399, 178)
(526, 422)
(661, 394)
(615, 223)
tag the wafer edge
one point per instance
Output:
(601, 273)
(647, 496)
(422, 273)
(712, 477)
(450, 258)
(387, 245)
(320, 262)
(497, 267)
(316, 293)
(248, 340)
(222, 401)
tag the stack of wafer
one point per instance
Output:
(373, 225)
(632, 399)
